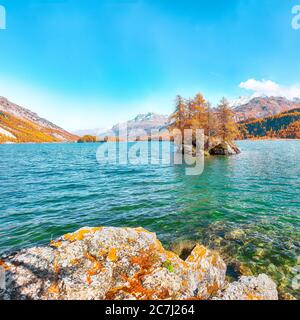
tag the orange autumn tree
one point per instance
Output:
(197, 113)
(200, 114)
(226, 126)
(291, 132)
(190, 106)
(194, 114)
(180, 115)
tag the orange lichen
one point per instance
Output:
(77, 236)
(214, 259)
(194, 298)
(212, 289)
(54, 289)
(185, 265)
(163, 294)
(102, 252)
(184, 283)
(4, 265)
(80, 234)
(97, 267)
(74, 261)
(198, 253)
(170, 254)
(95, 229)
(134, 288)
(55, 244)
(159, 246)
(146, 261)
(251, 296)
(112, 254)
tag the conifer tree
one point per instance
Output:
(200, 116)
(179, 116)
(190, 109)
(227, 127)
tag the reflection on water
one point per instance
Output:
(246, 206)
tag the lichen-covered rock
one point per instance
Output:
(208, 272)
(121, 263)
(251, 288)
(224, 149)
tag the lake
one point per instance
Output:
(245, 206)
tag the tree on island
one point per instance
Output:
(227, 127)
(192, 114)
(180, 115)
(220, 128)
(201, 114)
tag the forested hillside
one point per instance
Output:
(282, 125)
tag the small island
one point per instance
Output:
(87, 139)
(219, 125)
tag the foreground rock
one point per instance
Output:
(251, 288)
(122, 263)
(224, 149)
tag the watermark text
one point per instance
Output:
(296, 17)
(187, 149)
(2, 18)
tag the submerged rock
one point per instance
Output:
(122, 263)
(224, 149)
(251, 288)
(236, 234)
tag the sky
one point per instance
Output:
(86, 64)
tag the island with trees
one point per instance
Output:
(219, 125)
(87, 139)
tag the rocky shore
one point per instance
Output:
(122, 263)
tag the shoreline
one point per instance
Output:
(97, 142)
(108, 263)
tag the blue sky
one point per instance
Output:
(92, 63)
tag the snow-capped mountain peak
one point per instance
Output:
(239, 101)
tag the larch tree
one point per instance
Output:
(200, 117)
(179, 116)
(227, 127)
(211, 123)
(190, 109)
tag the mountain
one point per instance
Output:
(282, 125)
(245, 108)
(239, 101)
(18, 124)
(262, 107)
(140, 126)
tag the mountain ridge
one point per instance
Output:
(141, 125)
(245, 108)
(19, 124)
(262, 107)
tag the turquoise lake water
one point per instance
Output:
(246, 206)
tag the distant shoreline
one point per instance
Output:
(74, 142)
(269, 139)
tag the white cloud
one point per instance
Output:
(270, 88)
